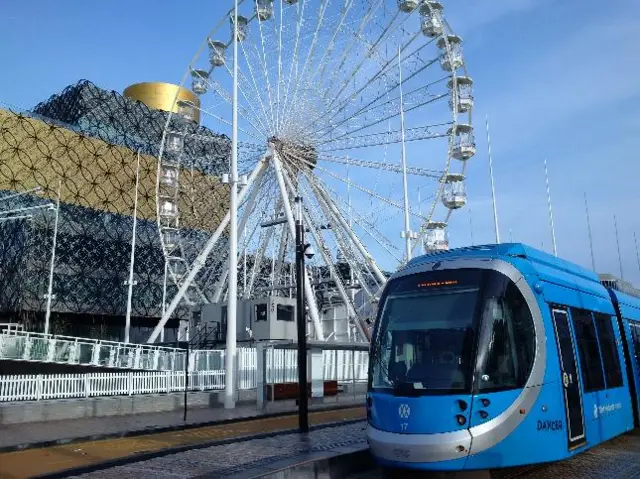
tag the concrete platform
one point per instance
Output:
(17, 435)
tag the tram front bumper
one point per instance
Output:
(418, 448)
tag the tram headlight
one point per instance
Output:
(461, 419)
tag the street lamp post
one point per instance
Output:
(230, 358)
(303, 405)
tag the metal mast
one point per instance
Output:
(553, 230)
(586, 208)
(127, 327)
(493, 189)
(230, 358)
(615, 222)
(407, 225)
(47, 316)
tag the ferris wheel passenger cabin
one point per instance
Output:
(497, 356)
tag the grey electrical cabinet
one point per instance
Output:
(261, 319)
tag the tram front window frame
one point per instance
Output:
(474, 334)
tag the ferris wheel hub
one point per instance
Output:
(298, 155)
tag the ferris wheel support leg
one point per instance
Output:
(326, 256)
(251, 204)
(309, 293)
(200, 261)
(336, 213)
(348, 253)
(257, 264)
(280, 261)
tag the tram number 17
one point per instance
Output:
(404, 426)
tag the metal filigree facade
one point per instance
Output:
(87, 142)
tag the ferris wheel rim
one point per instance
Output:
(453, 76)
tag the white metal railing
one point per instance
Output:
(281, 367)
(10, 327)
(22, 345)
(66, 386)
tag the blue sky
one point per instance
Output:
(558, 78)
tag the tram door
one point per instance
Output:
(569, 376)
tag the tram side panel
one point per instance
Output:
(628, 313)
(565, 419)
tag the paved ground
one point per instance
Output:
(244, 459)
(12, 435)
(618, 458)
(243, 453)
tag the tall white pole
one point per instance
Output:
(47, 316)
(493, 189)
(407, 225)
(127, 326)
(586, 208)
(615, 223)
(232, 298)
(164, 296)
(553, 230)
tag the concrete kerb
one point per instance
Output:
(144, 456)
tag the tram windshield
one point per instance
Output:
(452, 331)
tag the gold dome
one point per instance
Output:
(161, 96)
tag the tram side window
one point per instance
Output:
(635, 337)
(590, 363)
(507, 346)
(610, 358)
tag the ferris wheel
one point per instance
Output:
(352, 105)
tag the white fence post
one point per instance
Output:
(38, 387)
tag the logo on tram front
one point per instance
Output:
(404, 411)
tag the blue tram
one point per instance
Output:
(498, 356)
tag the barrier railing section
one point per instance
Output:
(66, 386)
(281, 367)
(10, 327)
(30, 346)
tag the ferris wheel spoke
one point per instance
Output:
(323, 8)
(266, 72)
(256, 89)
(367, 226)
(382, 74)
(322, 64)
(358, 34)
(418, 98)
(294, 55)
(361, 221)
(371, 50)
(252, 118)
(377, 165)
(349, 249)
(337, 106)
(227, 122)
(377, 121)
(385, 138)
